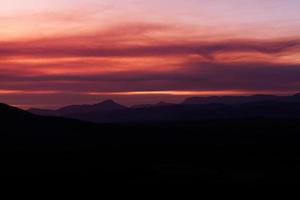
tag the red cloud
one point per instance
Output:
(124, 60)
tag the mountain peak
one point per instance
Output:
(109, 105)
(108, 101)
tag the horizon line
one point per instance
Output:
(181, 93)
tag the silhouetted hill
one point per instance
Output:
(254, 150)
(162, 103)
(108, 105)
(230, 99)
(192, 109)
(152, 105)
(194, 112)
(44, 112)
(10, 114)
(142, 106)
(240, 99)
(15, 121)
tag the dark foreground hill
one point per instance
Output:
(252, 151)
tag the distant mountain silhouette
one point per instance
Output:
(162, 103)
(240, 99)
(152, 105)
(108, 105)
(44, 112)
(197, 112)
(192, 109)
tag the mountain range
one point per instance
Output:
(191, 109)
(108, 105)
(254, 142)
(241, 99)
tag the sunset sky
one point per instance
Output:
(60, 52)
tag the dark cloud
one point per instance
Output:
(191, 75)
(96, 47)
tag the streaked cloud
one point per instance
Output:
(60, 52)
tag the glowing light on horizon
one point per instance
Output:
(20, 92)
(180, 93)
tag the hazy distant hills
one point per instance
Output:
(107, 105)
(194, 113)
(152, 105)
(241, 99)
(192, 109)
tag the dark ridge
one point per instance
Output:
(194, 112)
(8, 112)
(192, 109)
(221, 151)
(252, 143)
(43, 112)
(152, 105)
(162, 103)
(241, 99)
(108, 105)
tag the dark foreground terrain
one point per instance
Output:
(247, 150)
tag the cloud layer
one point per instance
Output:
(69, 67)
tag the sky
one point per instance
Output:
(61, 52)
